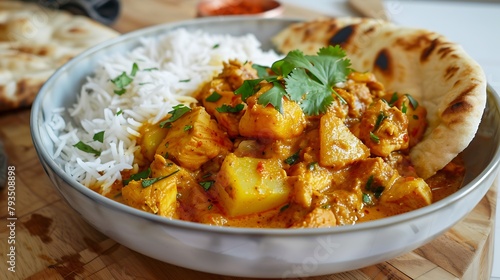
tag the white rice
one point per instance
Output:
(178, 62)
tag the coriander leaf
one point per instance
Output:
(412, 100)
(310, 83)
(150, 69)
(86, 148)
(119, 91)
(207, 184)
(119, 112)
(230, 109)
(374, 137)
(394, 98)
(282, 67)
(367, 199)
(273, 96)
(122, 81)
(404, 108)
(312, 96)
(185, 81)
(215, 46)
(261, 70)
(138, 176)
(177, 112)
(187, 127)
(293, 159)
(135, 68)
(99, 136)
(148, 182)
(214, 97)
(380, 118)
(248, 88)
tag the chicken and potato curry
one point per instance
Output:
(267, 160)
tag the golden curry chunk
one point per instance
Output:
(250, 185)
(194, 139)
(235, 73)
(406, 194)
(151, 137)
(384, 129)
(346, 205)
(317, 218)
(157, 194)
(417, 117)
(306, 179)
(260, 121)
(215, 95)
(338, 146)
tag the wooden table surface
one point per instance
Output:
(53, 242)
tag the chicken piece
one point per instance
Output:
(194, 139)
(338, 146)
(235, 73)
(317, 218)
(384, 129)
(417, 117)
(216, 94)
(305, 179)
(158, 193)
(406, 194)
(260, 121)
(345, 205)
(375, 87)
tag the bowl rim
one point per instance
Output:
(36, 121)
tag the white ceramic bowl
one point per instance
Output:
(255, 252)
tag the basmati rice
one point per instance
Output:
(171, 68)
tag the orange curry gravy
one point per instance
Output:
(258, 167)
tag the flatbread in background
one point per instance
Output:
(34, 42)
(436, 71)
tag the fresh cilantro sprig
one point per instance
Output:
(310, 83)
(306, 79)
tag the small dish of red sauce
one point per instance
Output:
(264, 8)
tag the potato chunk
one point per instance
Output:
(158, 198)
(250, 185)
(338, 146)
(151, 137)
(194, 139)
(267, 122)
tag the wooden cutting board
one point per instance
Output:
(53, 242)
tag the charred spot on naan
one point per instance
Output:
(343, 35)
(459, 106)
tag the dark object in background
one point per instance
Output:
(103, 11)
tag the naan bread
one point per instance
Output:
(34, 41)
(439, 73)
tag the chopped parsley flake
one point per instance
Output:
(86, 148)
(230, 109)
(138, 176)
(293, 159)
(177, 112)
(207, 184)
(214, 97)
(99, 136)
(148, 182)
